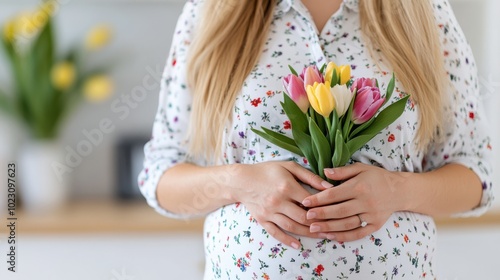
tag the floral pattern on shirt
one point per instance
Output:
(236, 246)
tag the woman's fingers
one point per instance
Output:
(298, 214)
(280, 235)
(337, 225)
(351, 235)
(330, 196)
(336, 211)
(307, 177)
(345, 172)
(291, 226)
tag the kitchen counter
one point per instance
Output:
(103, 216)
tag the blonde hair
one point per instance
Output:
(228, 45)
(406, 33)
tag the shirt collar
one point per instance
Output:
(285, 5)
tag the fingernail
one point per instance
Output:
(327, 185)
(330, 236)
(306, 203)
(295, 246)
(310, 215)
(329, 171)
(323, 235)
(314, 228)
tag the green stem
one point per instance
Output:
(329, 128)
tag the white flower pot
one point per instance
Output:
(39, 187)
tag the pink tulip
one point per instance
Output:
(363, 82)
(311, 75)
(366, 104)
(294, 86)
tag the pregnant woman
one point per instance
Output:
(224, 77)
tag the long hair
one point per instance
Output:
(231, 35)
(407, 35)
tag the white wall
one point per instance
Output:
(480, 21)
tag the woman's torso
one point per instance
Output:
(236, 246)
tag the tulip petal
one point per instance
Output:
(311, 75)
(345, 74)
(363, 100)
(312, 98)
(370, 112)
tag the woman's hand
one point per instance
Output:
(271, 193)
(368, 194)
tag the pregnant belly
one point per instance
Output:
(237, 247)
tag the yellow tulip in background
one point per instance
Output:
(48, 82)
(97, 88)
(9, 31)
(98, 37)
(343, 73)
(63, 75)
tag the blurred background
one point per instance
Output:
(89, 221)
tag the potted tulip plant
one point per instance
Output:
(46, 86)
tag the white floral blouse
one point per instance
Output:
(236, 246)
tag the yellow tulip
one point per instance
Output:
(321, 98)
(329, 71)
(343, 73)
(9, 31)
(63, 75)
(98, 88)
(98, 37)
(27, 24)
(24, 26)
(39, 19)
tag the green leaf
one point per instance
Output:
(349, 83)
(390, 89)
(322, 70)
(321, 122)
(296, 116)
(293, 70)
(9, 48)
(347, 118)
(322, 147)
(361, 127)
(5, 103)
(387, 116)
(342, 149)
(335, 78)
(358, 142)
(304, 142)
(333, 128)
(46, 96)
(279, 140)
(346, 154)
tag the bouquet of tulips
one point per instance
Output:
(332, 116)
